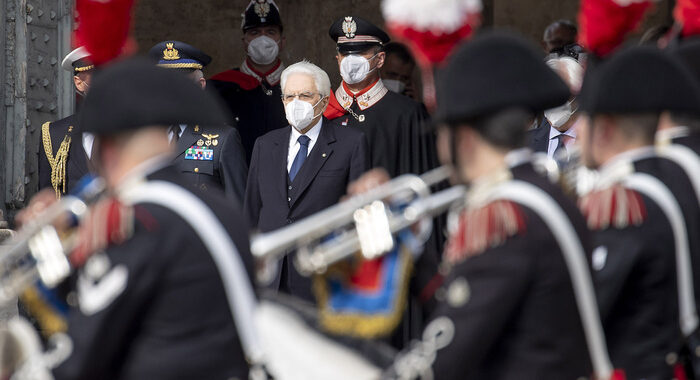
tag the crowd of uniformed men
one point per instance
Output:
(531, 283)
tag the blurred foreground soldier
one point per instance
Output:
(397, 72)
(209, 156)
(508, 305)
(394, 124)
(303, 168)
(66, 151)
(252, 91)
(684, 129)
(559, 34)
(642, 262)
(557, 132)
(153, 294)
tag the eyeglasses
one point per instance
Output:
(305, 96)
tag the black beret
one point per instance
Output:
(640, 79)
(178, 55)
(135, 93)
(354, 35)
(689, 53)
(493, 72)
(261, 13)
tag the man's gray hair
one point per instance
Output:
(323, 83)
(569, 70)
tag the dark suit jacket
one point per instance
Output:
(226, 171)
(538, 138)
(271, 202)
(77, 164)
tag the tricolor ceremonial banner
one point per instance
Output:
(687, 15)
(604, 24)
(103, 28)
(364, 299)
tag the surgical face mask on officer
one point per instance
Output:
(300, 113)
(394, 85)
(560, 115)
(354, 68)
(263, 50)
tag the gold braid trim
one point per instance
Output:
(196, 66)
(58, 162)
(84, 68)
(48, 320)
(363, 325)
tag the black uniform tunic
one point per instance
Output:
(77, 164)
(634, 268)
(213, 157)
(254, 101)
(512, 304)
(172, 319)
(395, 126)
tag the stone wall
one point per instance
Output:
(214, 25)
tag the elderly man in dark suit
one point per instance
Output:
(303, 168)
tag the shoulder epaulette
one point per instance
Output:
(57, 162)
(486, 227)
(615, 206)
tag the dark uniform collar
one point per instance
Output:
(272, 77)
(366, 98)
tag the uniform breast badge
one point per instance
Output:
(211, 140)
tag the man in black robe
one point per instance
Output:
(394, 124)
(252, 92)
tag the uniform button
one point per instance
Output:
(196, 170)
(289, 199)
(289, 188)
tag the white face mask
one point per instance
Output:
(394, 85)
(560, 115)
(300, 113)
(263, 50)
(355, 68)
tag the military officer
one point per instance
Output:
(640, 210)
(514, 299)
(65, 155)
(252, 91)
(158, 262)
(209, 156)
(394, 124)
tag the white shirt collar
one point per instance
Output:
(571, 132)
(312, 133)
(664, 136)
(622, 165)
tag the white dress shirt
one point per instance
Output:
(554, 141)
(294, 145)
(88, 141)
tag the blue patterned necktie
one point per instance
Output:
(561, 153)
(301, 156)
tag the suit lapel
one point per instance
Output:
(318, 156)
(542, 137)
(188, 138)
(279, 161)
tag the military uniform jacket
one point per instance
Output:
(675, 178)
(509, 297)
(395, 126)
(154, 306)
(338, 157)
(64, 136)
(253, 100)
(634, 271)
(213, 157)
